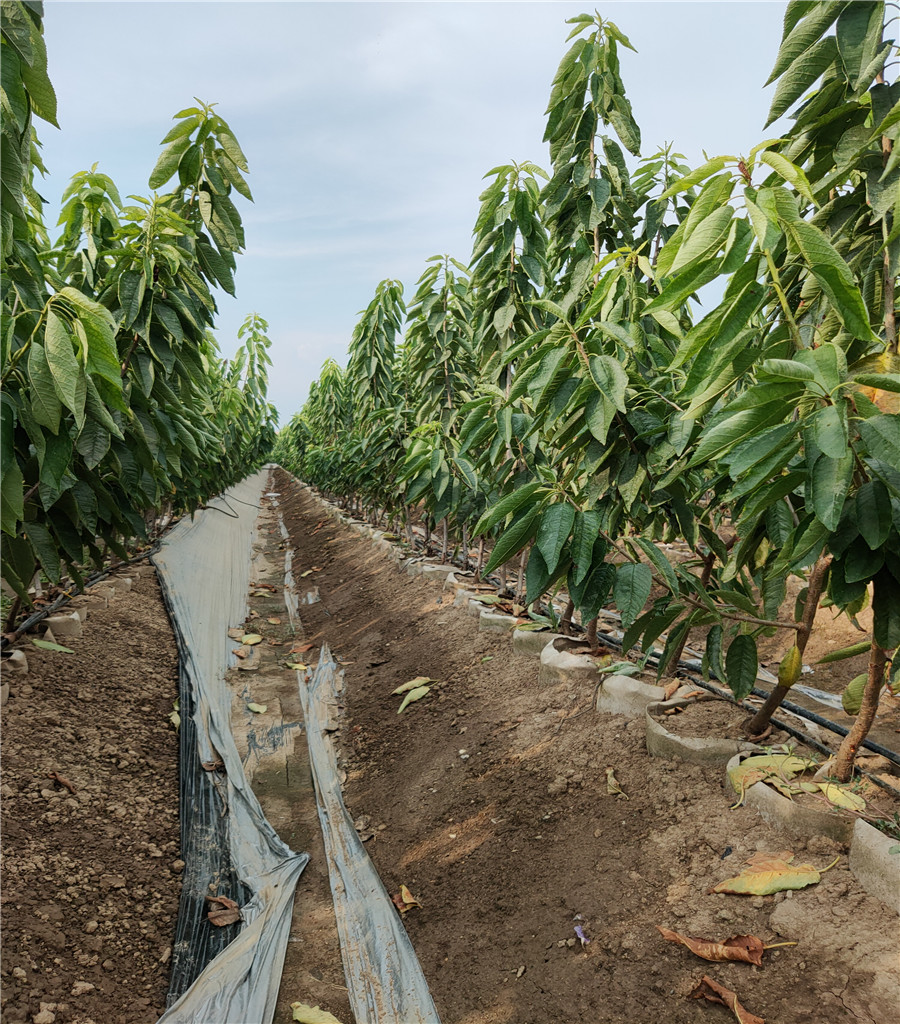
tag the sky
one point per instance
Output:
(368, 126)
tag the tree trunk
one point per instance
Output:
(760, 721)
(591, 633)
(479, 565)
(465, 546)
(843, 763)
(445, 539)
(565, 623)
(520, 582)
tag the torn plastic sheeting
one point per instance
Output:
(227, 843)
(384, 978)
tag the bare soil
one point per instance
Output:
(488, 799)
(91, 878)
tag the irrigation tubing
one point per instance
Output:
(64, 598)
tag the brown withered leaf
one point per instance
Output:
(62, 781)
(670, 688)
(242, 652)
(300, 648)
(236, 634)
(223, 911)
(746, 949)
(706, 988)
(274, 620)
(404, 900)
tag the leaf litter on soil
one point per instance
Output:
(772, 872)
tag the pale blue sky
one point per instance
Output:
(368, 126)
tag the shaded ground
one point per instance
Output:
(488, 799)
(91, 879)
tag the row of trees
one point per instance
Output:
(566, 394)
(115, 401)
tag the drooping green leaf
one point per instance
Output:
(874, 513)
(741, 665)
(634, 581)
(556, 522)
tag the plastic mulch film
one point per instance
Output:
(231, 974)
(384, 978)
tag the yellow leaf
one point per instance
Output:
(613, 787)
(298, 666)
(417, 694)
(305, 1014)
(770, 872)
(841, 797)
(763, 766)
(274, 621)
(251, 638)
(412, 684)
(257, 709)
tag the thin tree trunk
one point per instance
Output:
(846, 755)
(760, 721)
(503, 578)
(520, 582)
(591, 633)
(479, 565)
(445, 539)
(465, 546)
(565, 623)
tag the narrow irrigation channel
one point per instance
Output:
(536, 888)
(488, 799)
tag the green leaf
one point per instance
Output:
(741, 666)
(806, 32)
(659, 561)
(846, 652)
(131, 288)
(67, 373)
(556, 522)
(786, 369)
(790, 172)
(830, 478)
(834, 276)
(584, 536)
(634, 580)
(881, 435)
(610, 379)
(45, 549)
(528, 494)
(886, 610)
(724, 435)
(168, 161)
(699, 174)
(874, 513)
(45, 405)
(800, 76)
(828, 428)
(513, 539)
(92, 443)
(47, 645)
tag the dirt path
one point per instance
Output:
(488, 799)
(91, 878)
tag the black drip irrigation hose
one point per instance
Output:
(686, 669)
(204, 843)
(63, 599)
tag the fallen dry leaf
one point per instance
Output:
(236, 633)
(249, 639)
(242, 652)
(706, 988)
(257, 709)
(404, 900)
(670, 688)
(298, 666)
(417, 694)
(613, 787)
(306, 1014)
(770, 872)
(746, 949)
(308, 572)
(63, 781)
(300, 648)
(412, 684)
(223, 911)
(274, 621)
